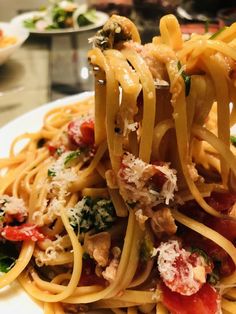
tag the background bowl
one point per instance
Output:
(21, 35)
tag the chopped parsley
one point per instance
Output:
(88, 213)
(8, 256)
(201, 253)
(216, 34)
(104, 214)
(186, 78)
(51, 173)
(213, 278)
(81, 216)
(59, 151)
(146, 248)
(72, 156)
(6, 263)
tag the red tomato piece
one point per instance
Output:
(52, 149)
(81, 132)
(221, 202)
(225, 226)
(179, 268)
(22, 233)
(204, 301)
(159, 179)
(87, 131)
(193, 239)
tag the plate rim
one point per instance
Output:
(38, 112)
(20, 38)
(17, 20)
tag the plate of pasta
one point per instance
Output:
(123, 200)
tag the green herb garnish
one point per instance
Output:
(59, 151)
(104, 214)
(88, 213)
(6, 262)
(216, 34)
(72, 156)
(146, 248)
(213, 278)
(51, 173)
(201, 253)
(186, 78)
(8, 256)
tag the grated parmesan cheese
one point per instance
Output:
(12, 205)
(51, 253)
(12, 208)
(140, 217)
(168, 188)
(81, 215)
(134, 180)
(61, 174)
(178, 271)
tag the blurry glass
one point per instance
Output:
(147, 14)
(121, 7)
(152, 9)
(227, 16)
(202, 10)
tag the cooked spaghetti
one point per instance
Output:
(126, 201)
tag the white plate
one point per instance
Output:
(20, 33)
(12, 298)
(19, 21)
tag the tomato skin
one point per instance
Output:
(87, 131)
(225, 226)
(52, 149)
(81, 134)
(22, 233)
(221, 202)
(204, 301)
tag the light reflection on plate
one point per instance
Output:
(13, 299)
(19, 21)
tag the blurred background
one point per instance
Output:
(50, 67)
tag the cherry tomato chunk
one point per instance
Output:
(22, 233)
(204, 301)
(87, 131)
(81, 133)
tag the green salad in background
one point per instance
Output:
(60, 15)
